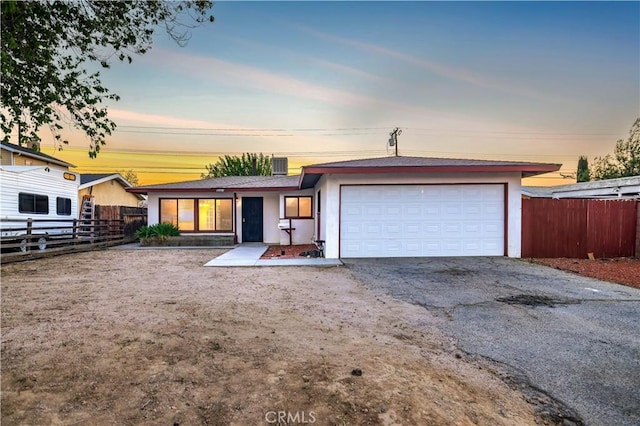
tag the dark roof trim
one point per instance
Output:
(142, 190)
(537, 168)
(311, 175)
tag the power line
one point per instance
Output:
(349, 131)
(517, 133)
(325, 129)
(203, 134)
(241, 129)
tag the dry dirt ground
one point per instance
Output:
(621, 270)
(132, 337)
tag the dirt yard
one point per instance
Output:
(152, 337)
(622, 271)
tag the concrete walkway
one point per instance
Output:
(249, 255)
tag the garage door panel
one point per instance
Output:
(374, 210)
(411, 211)
(472, 211)
(422, 220)
(393, 210)
(473, 228)
(412, 228)
(492, 209)
(431, 210)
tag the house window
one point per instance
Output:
(33, 203)
(63, 206)
(214, 215)
(179, 212)
(207, 214)
(297, 207)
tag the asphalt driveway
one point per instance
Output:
(572, 338)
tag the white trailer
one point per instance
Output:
(37, 203)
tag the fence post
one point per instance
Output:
(638, 229)
(29, 228)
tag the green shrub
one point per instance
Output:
(165, 230)
(161, 231)
(143, 232)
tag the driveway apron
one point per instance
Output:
(573, 338)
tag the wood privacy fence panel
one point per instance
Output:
(133, 217)
(575, 227)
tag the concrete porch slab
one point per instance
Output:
(249, 255)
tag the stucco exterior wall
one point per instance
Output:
(304, 228)
(110, 193)
(272, 208)
(330, 187)
(322, 187)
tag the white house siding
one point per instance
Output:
(330, 185)
(272, 207)
(325, 213)
(304, 228)
(270, 231)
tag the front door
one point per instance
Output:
(252, 219)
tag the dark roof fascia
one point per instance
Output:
(527, 170)
(86, 178)
(311, 174)
(143, 190)
(523, 168)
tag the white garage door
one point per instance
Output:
(422, 220)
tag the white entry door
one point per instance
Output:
(422, 220)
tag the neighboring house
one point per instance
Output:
(108, 190)
(14, 155)
(381, 207)
(621, 188)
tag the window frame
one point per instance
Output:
(34, 203)
(298, 197)
(64, 211)
(196, 213)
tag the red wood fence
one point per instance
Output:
(575, 227)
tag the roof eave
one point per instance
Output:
(115, 176)
(142, 190)
(525, 170)
(35, 155)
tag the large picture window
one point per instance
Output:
(297, 207)
(33, 203)
(200, 215)
(215, 215)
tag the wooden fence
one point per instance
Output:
(25, 237)
(575, 227)
(34, 238)
(132, 217)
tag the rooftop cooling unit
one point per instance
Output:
(279, 166)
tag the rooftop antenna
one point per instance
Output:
(393, 138)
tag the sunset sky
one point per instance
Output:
(327, 81)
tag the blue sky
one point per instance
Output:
(325, 81)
